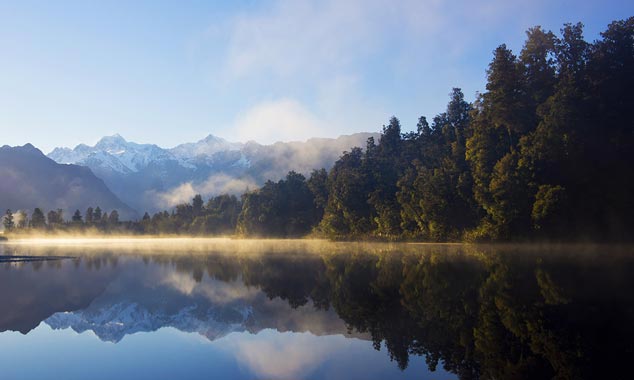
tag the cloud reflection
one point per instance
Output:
(270, 354)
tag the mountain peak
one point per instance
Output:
(28, 147)
(112, 144)
(211, 137)
(116, 138)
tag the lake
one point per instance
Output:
(266, 309)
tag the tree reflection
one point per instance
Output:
(479, 312)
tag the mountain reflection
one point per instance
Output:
(478, 312)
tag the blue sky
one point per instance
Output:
(168, 72)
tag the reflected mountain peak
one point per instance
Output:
(474, 311)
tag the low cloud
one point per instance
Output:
(214, 185)
(216, 291)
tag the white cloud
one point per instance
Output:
(180, 194)
(214, 185)
(279, 120)
(323, 68)
(338, 108)
(285, 355)
(216, 291)
(317, 51)
(303, 38)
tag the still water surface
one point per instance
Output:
(202, 309)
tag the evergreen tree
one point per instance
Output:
(318, 186)
(282, 209)
(384, 167)
(97, 216)
(220, 216)
(435, 194)
(77, 218)
(8, 221)
(347, 212)
(38, 220)
(197, 205)
(90, 215)
(501, 117)
(113, 218)
(55, 218)
(22, 219)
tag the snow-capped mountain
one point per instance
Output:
(152, 178)
(152, 298)
(206, 147)
(114, 322)
(115, 296)
(113, 153)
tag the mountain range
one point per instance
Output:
(151, 178)
(117, 300)
(29, 179)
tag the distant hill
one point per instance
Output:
(152, 178)
(29, 179)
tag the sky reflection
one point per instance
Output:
(318, 311)
(169, 354)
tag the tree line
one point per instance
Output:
(545, 152)
(54, 220)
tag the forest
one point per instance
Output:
(544, 153)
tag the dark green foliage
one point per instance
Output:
(90, 212)
(97, 214)
(318, 185)
(7, 221)
(566, 172)
(55, 218)
(282, 209)
(197, 205)
(37, 219)
(77, 218)
(435, 193)
(349, 185)
(23, 219)
(546, 152)
(219, 216)
(385, 167)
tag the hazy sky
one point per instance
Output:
(168, 72)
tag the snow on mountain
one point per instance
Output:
(114, 322)
(119, 316)
(113, 153)
(205, 147)
(151, 178)
(70, 156)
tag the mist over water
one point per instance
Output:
(294, 309)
